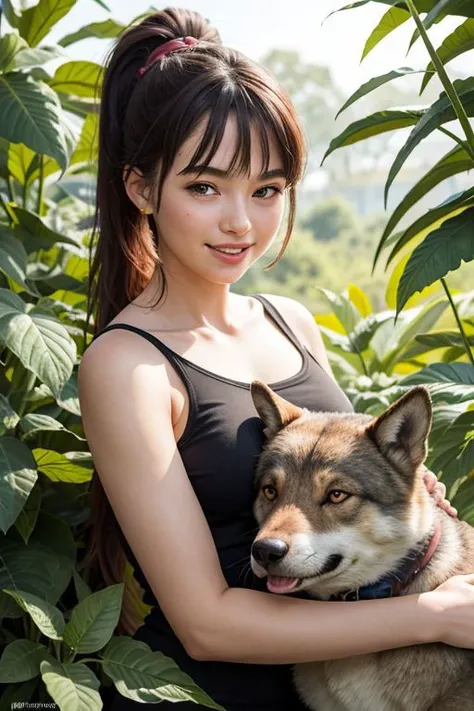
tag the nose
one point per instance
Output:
(269, 550)
(235, 219)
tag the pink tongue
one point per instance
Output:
(278, 584)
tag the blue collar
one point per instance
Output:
(393, 584)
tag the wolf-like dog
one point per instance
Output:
(344, 514)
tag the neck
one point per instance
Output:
(398, 580)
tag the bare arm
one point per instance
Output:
(126, 407)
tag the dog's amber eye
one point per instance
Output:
(269, 492)
(336, 496)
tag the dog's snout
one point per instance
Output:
(269, 550)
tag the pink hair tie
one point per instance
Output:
(164, 49)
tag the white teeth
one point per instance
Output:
(229, 251)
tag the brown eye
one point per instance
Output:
(269, 492)
(337, 497)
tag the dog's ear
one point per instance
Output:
(401, 432)
(274, 411)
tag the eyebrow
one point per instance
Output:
(219, 173)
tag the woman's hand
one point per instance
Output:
(438, 490)
(453, 601)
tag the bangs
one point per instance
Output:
(250, 113)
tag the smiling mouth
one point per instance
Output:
(284, 584)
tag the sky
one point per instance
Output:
(257, 26)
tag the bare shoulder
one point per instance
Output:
(302, 322)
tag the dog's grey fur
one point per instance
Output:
(379, 462)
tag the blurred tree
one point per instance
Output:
(330, 218)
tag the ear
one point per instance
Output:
(136, 188)
(401, 432)
(274, 411)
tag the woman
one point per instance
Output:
(198, 150)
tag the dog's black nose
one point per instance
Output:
(269, 550)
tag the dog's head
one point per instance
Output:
(340, 497)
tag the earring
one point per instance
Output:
(145, 211)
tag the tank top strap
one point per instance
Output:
(171, 356)
(280, 321)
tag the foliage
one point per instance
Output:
(51, 621)
(370, 351)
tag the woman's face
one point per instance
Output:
(200, 212)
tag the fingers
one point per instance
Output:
(430, 480)
(439, 491)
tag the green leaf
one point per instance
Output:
(107, 29)
(36, 56)
(433, 218)
(437, 13)
(149, 677)
(375, 83)
(62, 467)
(453, 455)
(393, 18)
(72, 686)
(94, 620)
(82, 589)
(439, 253)
(442, 339)
(458, 42)
(35, 233)
(24, 164)
(43, 567)
(17, 478)
(10, 45)
(31, 114)
(345, 312)
(48, 619)
(8, 417)
(21, 661)
(10, 13)
(87, 147)
(464, 499)
(454, 162)
(78, 78)
(36, 22)
(41, 342)
(439, 113)
(373, 125)
(13, 258)
(449, 373)
(26, 520)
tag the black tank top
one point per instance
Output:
(219, 449)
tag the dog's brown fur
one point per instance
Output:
(379, 462)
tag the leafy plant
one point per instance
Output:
(51, 622)
(427, 251)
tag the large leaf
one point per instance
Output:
(431, 220)
(8, 417)
(31, 114)
(46, 617)
(36, 57)
(43, 567)
(10, 45)
(375, 83)
(34, 232)
(13, 257)
(392, 19)
(36, 22)
(41, 343)
(439, 253)
(453, 456)
(342, 308)
(107, 29)
(72, 686)
(87, 147)
(78, 78)
(373, 125)
(439, 113)
(26, 520)
(24, 164)
(94, 620)
(21, 661)
(64, 467)
(437, 13)
(454, 162)
(17, 478)
(458, 42)
(146, 676)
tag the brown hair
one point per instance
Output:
(143, 123)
